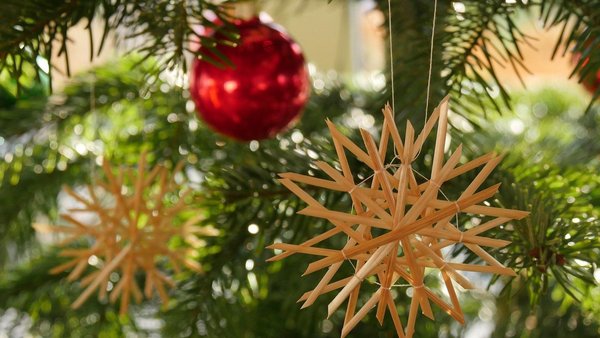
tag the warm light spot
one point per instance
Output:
(517, 126)
(230, 86)
(93, 260)
(253, 229)
(459, 7)
(297, 136)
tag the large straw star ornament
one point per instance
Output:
(399, 226)
(137, 220)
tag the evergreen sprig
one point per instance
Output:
(36, 32)
(579, 22)
(558, 243)
(473, 39)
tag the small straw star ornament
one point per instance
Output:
(399, 226)
(133, 233)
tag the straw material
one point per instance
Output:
(131, 233)
(399, 225)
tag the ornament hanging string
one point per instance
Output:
(396, 156)
(391, 55)
(428, 90)
(430, 59)
(94, 124)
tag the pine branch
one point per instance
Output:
(580, 34)
(45, 300)
(558, 241)
(32, 28)
(467, 40)
(238, 188)
(556, 246)
(472, 40)
(487, 37)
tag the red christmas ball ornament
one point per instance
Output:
(262, 93)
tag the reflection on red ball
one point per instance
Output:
(265, 90)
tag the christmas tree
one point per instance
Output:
(123, 213)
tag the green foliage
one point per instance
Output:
(547, 173)
(548, 125)
(44, 301)
(32, 30)
(48, 142)
(556, 316)
(240, 294)
(472, 40)
(580, 25)
(239, 185)
(558, 241)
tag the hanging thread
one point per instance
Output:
(435, 3)
(391, 55)
(430, 60)
(430, 69)
(94, 126)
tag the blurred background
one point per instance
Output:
(523, 81)
(352, 40)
